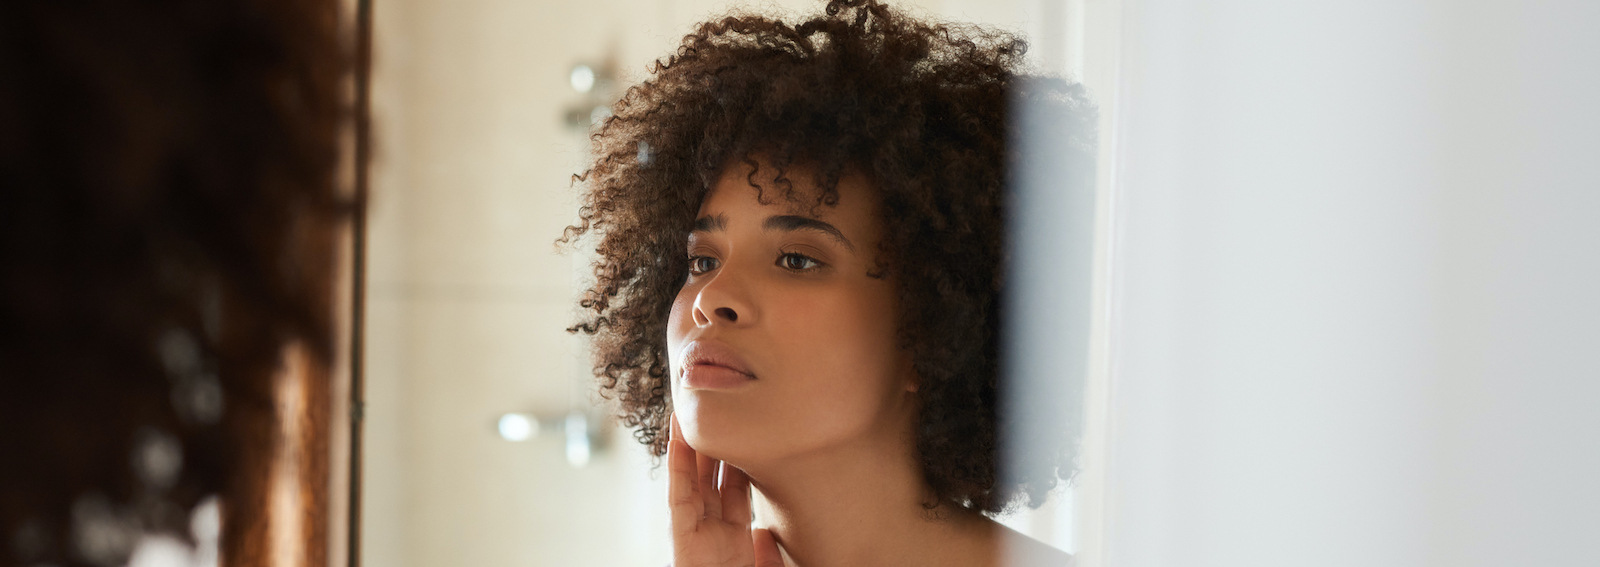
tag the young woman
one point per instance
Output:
(801, 242)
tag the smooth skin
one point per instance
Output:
(823, 432)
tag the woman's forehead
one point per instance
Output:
(800, 200)
(851, 217)
(794, 193)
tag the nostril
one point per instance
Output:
(728, 314)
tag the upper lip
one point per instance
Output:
(713, 353)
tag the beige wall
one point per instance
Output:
(468, 297)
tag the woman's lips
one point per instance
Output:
(709, 365)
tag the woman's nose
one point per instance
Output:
(723, 301)
(704, 316)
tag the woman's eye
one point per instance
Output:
(701, 264)
(797, 262)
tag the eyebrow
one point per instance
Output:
(710, 224)
(787, 223)
(796, 222)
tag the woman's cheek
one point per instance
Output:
(808, 320)
(824, 334)
(678, 318)
(678, 324)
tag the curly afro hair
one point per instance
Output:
(920, 109)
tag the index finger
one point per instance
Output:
(683, 489)
(766, 549)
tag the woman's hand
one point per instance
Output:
(711, 524)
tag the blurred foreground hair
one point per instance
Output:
(167, 221)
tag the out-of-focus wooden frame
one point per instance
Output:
(312, 491)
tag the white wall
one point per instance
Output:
(1356, 261)
(468, 298)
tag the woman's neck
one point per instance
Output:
(864, 504)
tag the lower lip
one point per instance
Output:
(708, 377)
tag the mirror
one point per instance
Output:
(483, 440)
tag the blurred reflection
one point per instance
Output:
(169, 227)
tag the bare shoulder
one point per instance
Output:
(1019, 550)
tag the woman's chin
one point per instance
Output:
(723, 435)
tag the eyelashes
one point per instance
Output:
(796, 262)
(701, 264)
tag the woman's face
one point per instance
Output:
(781, 344)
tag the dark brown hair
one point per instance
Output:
(167, 213)
(921, 109)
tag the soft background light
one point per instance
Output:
(517, 427)
(582, 78)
